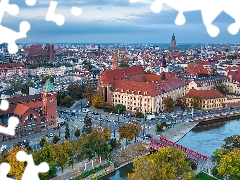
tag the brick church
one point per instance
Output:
(35, 112)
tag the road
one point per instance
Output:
(111, 120)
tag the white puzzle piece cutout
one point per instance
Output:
(210, 10)
(4, 170)
(31, 171)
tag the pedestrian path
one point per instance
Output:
(179, 131)
(70, 172)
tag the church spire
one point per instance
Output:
(173, 41)
(164, 62)
(115, 59)
(173, 37)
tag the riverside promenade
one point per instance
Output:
(175, 133)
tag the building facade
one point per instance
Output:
(210, 99)
(13, 71)
(37, 54)
(35, 112)
(136, 90)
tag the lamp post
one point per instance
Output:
(118, 115)
(114, 133)
(81, 106)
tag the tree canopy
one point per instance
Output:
(221, 88)
(97, 101)
(167, 163)
(196, 102)
(87, 127)
(168, 103)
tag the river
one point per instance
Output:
(204, 139)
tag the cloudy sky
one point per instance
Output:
(114, 21)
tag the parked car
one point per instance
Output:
(56, 128)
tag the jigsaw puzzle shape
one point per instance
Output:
(76, 11)
(7, 35)
(4, 170)
(12, 121)
(4, 105)
(59, 19)
(209, 10)
(30, 2)
(12, 9)
(12, 124)
(31, 170)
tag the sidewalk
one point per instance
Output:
(68, 172)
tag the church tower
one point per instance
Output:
(115, 59)
(49, 100)
(173, 41)
(164, 67)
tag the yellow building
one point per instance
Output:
(210, 99)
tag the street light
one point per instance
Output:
(81, 106)
(118, 115)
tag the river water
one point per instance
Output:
(204, 139)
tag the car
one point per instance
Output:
(50, 135)
(56, 128)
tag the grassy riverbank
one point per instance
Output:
(203, 176)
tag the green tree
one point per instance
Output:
(25, 88)
(107, 133)
(55, 138)
(230, 165)
(4, 156)
(75, 90)
(87, 65)
(119, 107)
(16, 85)
(67, 101)
(69, 149)
(159, 128)
(47, 154)
(89, 92)
(42, 140)
(61, 156)
(87, 127)
(182, 103)
(113, 143)
(124, 64)
(137, 128)
(167, 163)
(221, 88)
(123, 132)
(168, 103)
(77, 133)
(232, 142)
(45, 78)
(96, 140)
(97, 101)
(27, 145)
(196, 102)
(67, 132)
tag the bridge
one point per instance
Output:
(190, 154)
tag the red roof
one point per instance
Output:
(20, 109)
(11, 65)
(34, 104)
(205, 94)
(109, 76)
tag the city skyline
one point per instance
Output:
(115, 22)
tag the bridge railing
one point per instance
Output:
(156, 145)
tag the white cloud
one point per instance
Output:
(104, 12)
